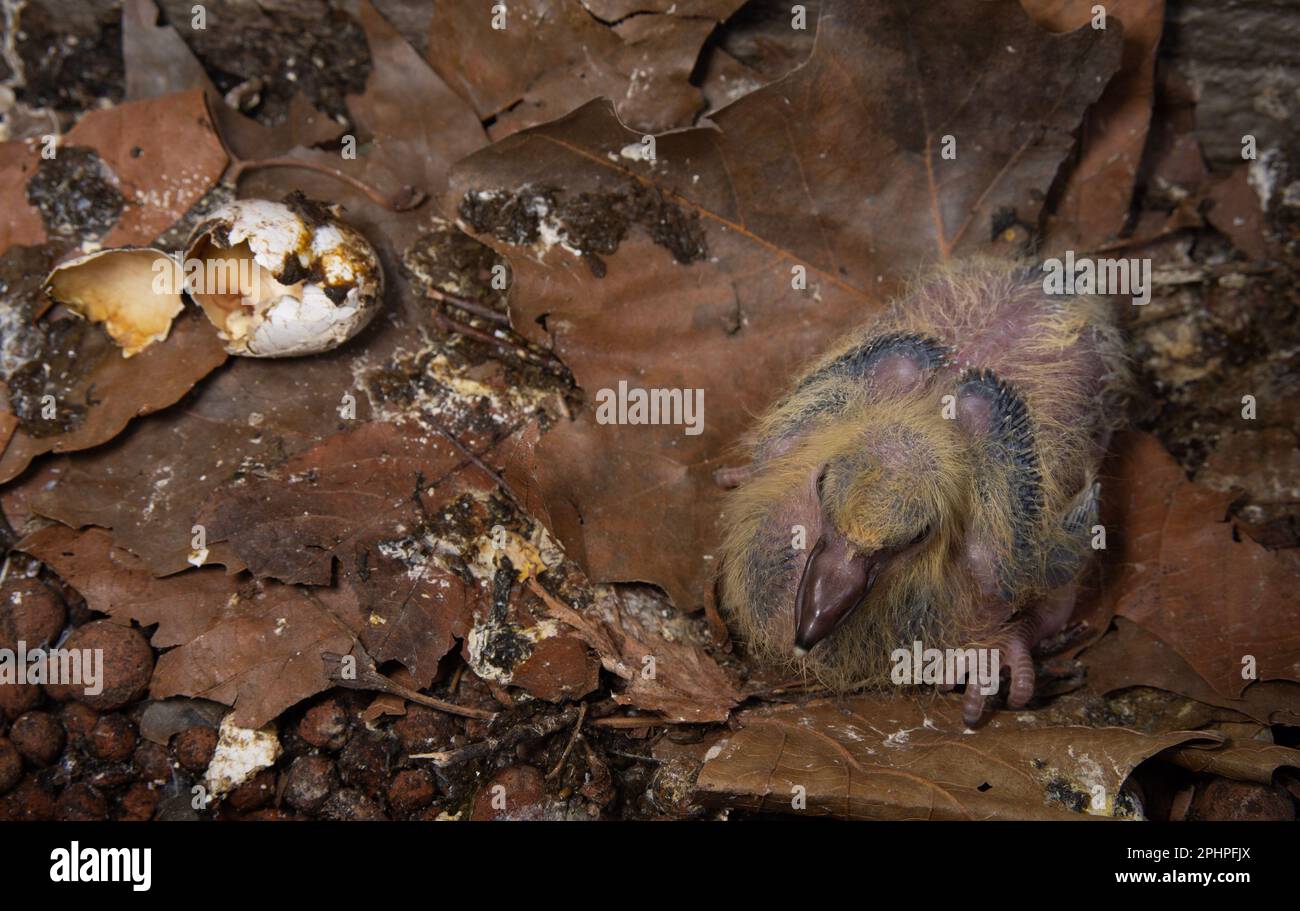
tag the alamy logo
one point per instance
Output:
(1084, 275)
(83, 667)
(651, 406)
(950, 666)
(76, 864)
(206, 275)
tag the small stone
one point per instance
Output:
(39, 737)
(80, 803)
(16, 698)
(311, 780)
(410, 790)
(126, 669)
(152, 762)
(350, 804)
(325, 725)
(79, 721)
(30, 613)
(1224, 799)
(112, 738)
(515, 792)
(423, 730)
(29, 802)
(364, 764)
(138, 804)
(11, 765)
(252, 794)
(193, 748)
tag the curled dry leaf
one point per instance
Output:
(1225, 604)
(406, 522)
(679, 680)
(254, 646)
(1248, 753)
(552, 56)
(885, 757)
(1129, 656)
(120, 289)
(1094, 204)
(740, 250)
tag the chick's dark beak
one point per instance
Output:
(836, 579)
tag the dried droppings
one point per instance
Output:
(75, 194)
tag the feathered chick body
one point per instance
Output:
(930, 478)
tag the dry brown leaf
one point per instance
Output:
(1128, 656)
(552, 56)
(1094, 205)
(1236, 213)
(1185, 578)
(256, 647)
(95, 391)
(164, 155)
(22, 222)
(792, 178)
(884, 757)
(677, 679)
(348, 502)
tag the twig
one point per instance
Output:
(368, 678)
(513, 737)
(618, 722)
(469, 306)
(479, 463)
(447, 324)
(577, 729)
(403, 200)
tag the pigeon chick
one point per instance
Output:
(931, 479)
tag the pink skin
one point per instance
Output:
(1015, 644)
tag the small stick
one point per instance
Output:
(369, 679)
(479, 463)
(403, 200)
(573, 738)
(469, 306)
(520, 733)
(447, 324)
(618, 722)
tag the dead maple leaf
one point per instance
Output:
(1186, 578)
(551, 56)
(740, 250)
(884, 757)
(679, 680)
(1094, 204)
(256, 646)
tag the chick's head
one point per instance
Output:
(894, 490)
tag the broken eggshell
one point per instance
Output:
(125, 289)
(279, 280)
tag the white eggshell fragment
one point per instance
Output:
(135, 292)
(240, 754)
(280, 279)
